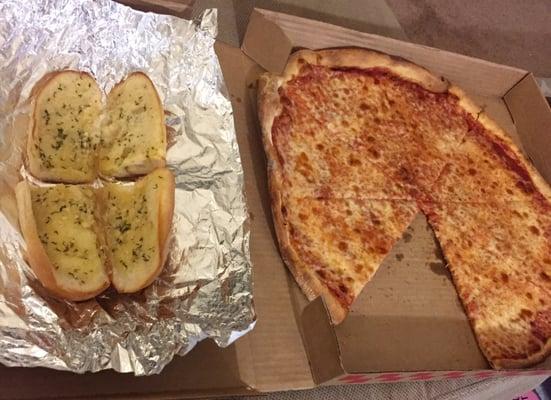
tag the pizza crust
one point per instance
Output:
(308, 282)
(269, 108)
(365, 59)
(532, 359)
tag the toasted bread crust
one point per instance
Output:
(36, 254)
(142, 164)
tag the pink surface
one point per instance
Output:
(527, 396)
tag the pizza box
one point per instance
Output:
(406, 325)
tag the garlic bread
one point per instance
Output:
(133, 138)
(64, 132)
(137, 218)
(63, 245)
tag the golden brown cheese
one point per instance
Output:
(338, 128)
(342, 242)
(499, 254)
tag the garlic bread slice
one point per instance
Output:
(133, 138)
(64, 132)
(63, 246)
(137, 218)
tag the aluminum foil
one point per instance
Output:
(205, 290)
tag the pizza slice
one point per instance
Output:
(333, 247)
(499, 254)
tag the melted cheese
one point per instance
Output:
(65, 223)
(475, 172)
(345, 240)
(498, 254)
(133, 133)
(65, 133)
(346, 129)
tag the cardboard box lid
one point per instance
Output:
(408, 318)
(490, 79)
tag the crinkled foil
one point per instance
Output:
(205, 290)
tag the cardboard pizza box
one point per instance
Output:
(408, 323)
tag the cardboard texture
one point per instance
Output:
(408, 323)
(274, 347)
(206, 371)
(530, 113)
(489, 80)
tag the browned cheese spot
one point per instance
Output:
(524, 313)
(343, 246)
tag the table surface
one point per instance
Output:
(509, 32)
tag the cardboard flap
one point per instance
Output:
(472, 74)
(531, 114)
(263, 34)
(272, 356)
(205, 372)
(320, 342)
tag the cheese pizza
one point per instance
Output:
(357, 143)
